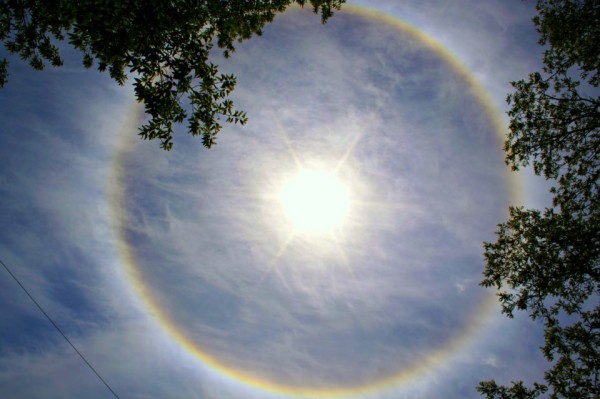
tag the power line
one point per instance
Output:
(59, 330)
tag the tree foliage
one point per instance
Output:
(547, 263)
(164, 45)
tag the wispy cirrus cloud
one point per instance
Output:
(212, 245)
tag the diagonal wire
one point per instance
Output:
(59, 330)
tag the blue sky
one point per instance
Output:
(142, 256)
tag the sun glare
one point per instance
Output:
(315, 201)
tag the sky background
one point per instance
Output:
(177, 274)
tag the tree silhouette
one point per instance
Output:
(550, 260)
(163, 45)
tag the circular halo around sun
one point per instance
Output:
(273, 323)
(315, 201)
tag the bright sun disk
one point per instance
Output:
(315, 201)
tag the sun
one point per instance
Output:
(315, 201)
